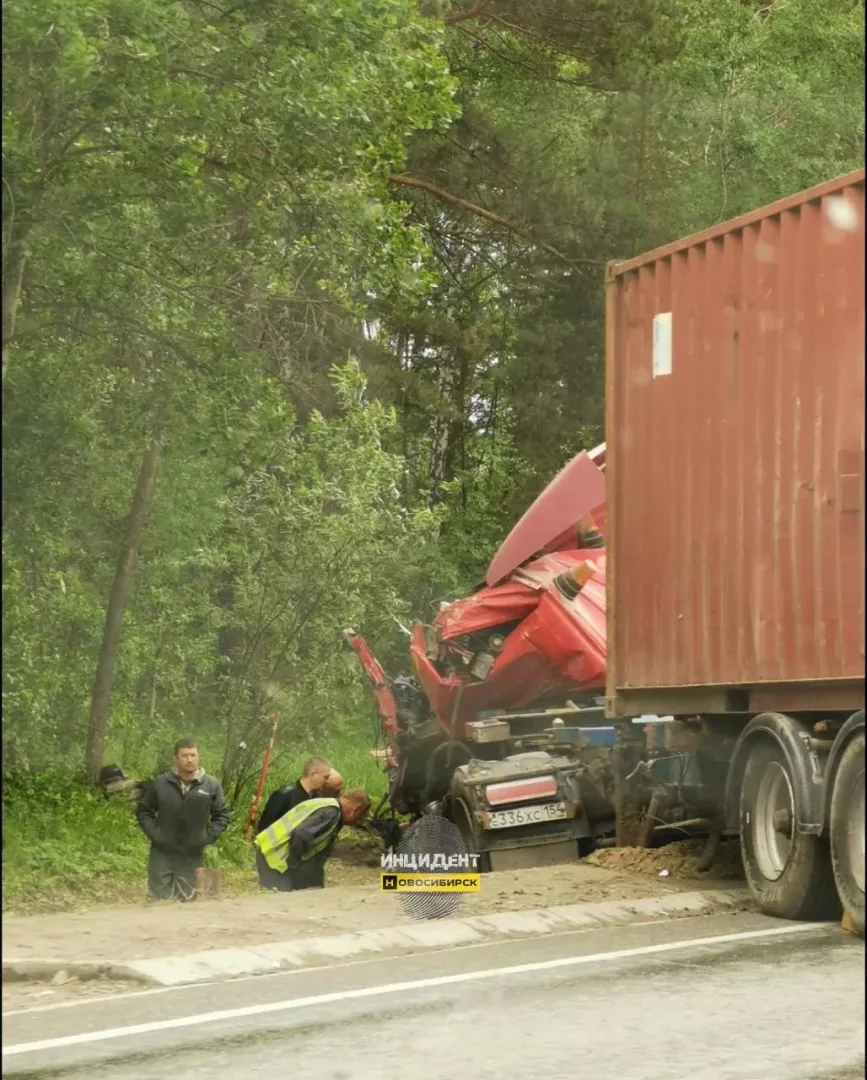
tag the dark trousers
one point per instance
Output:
(269, 878)
(309, 875)
(172, 876)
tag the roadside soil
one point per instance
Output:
(351, 901)
(677, 860)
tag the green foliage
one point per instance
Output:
(61, 838)
(306, 522)
(192, 190)
(319, 539)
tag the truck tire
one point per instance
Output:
(470, 833)
(847, 831)
(788, 872)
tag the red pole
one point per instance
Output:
(266, 764)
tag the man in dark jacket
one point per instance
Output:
(298, 844)
(333, 785)
(181, 813)
(313, 778)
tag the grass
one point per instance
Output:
(67, 847)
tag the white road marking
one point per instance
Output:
(380, 958)
(394, 988)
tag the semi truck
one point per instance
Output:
(671, 640)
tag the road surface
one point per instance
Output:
(714, 998)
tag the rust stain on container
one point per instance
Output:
(735, 452)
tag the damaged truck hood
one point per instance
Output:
(558, 644)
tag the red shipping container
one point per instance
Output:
(735, 464)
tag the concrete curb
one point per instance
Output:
(63, 971)
(309, 952)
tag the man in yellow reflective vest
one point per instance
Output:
(297, 845)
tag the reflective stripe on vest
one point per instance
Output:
(274, 841)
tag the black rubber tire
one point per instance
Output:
(461, 817)
(805, 888)
(849, 775)
(585, 846)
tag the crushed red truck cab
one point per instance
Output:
(516, 643)
(537, 629)
(472, 723)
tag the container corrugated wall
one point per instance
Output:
(735, 452)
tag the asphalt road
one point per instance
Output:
(719, 998)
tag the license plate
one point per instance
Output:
(527, 815)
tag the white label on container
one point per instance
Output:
(662, 344)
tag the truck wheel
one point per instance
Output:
(847, 831)
(470, 833)
(788, 873)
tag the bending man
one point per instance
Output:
(298, 844)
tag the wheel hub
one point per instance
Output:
(772, 821)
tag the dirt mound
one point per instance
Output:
(357, 847)
(356, 859)
(680, 859)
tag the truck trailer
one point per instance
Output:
(735, 536)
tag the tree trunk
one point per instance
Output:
(455, 452)
(441, 430)
(105, 668)
(13, 275)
